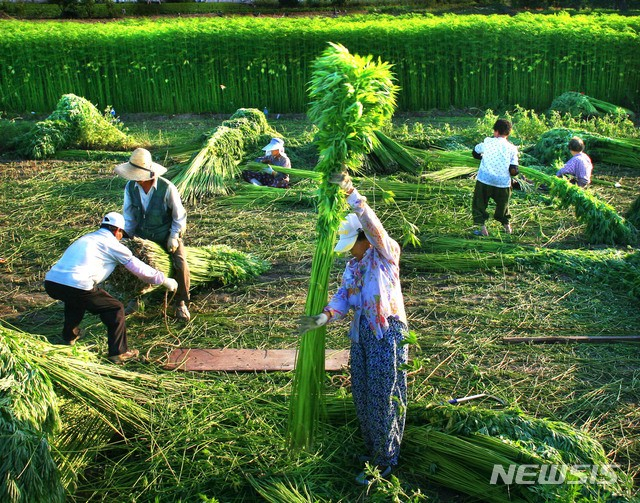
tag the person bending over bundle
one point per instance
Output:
(153, 210)
(87, 262)
(274, 156)
(579, 167)
(371, 287)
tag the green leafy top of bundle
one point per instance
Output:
(352, 97)
(255, 117)
(27, 392)
(75, 123)
(580, 105)
(28, 419)
(554, 145)
(550, 441)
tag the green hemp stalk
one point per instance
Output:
(351, 97)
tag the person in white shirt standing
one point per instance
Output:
(87, 262)
(153, 210)
(499, 162)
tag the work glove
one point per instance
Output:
(268, 169)
(307, 323)
(172, 243)
(342, 180)
(170, 284)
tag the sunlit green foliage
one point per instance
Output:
(219, 64)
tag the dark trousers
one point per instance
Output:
(96, 301)
(481, 195)
(181, 272)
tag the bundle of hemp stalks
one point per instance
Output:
(57, 406)
(477, 451)
(350, 97)
(602, 222)
(216, 265)
(217, 163)
(580, 105)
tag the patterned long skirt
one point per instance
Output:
(379, 388)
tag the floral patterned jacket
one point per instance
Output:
(371, 286)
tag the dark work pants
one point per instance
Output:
(481, 195)
(181, 272)
(96, 301)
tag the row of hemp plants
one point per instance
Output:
(220, 65)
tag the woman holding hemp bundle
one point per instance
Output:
(371, 287)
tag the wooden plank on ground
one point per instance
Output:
(247, 360)
(572, 338)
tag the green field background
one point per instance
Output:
(216, 65)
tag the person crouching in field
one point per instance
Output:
(87, 262)
(499, 162)
(153, 210)
(274, 156)
(371, 287)
(579, 167)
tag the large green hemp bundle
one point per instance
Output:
(459, 447)
(75, 123)
(35, 378)
(351, 97)
(218, 162)
(602, 223)
(554, 145)
(216, 265)
(582, 106)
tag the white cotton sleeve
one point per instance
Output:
(145, 272)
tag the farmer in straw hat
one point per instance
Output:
(274, 156)
(371, 287)
(153, 210)
(87, 262)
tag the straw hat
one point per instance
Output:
(114, 219)
(274, 144)
(348, 232)
(140, 167)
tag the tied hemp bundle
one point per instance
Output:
(75, 122)
(351, 97)
(45, 452)
(216, 264)
(602, 223)
(217, 163)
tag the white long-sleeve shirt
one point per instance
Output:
(92, 258)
